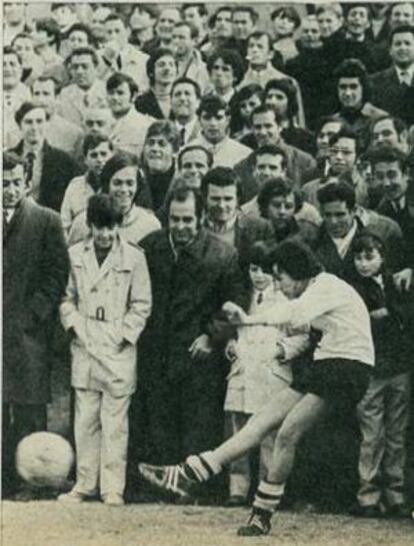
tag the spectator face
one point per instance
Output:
(182, 43)
(158, 154)
(98, 121)
(98, 22)
(25, 48)
(191, 15)
(12, 71)
(342, 155)
(41, 38)
(402, 49)
(265, 128)
(279, 101)
(310, 34)
(259, 279)
(76, 39)
(104, 237)
(258, 51)
(290, 288)
(182, 221)
(165, 25)
(281, 210)
(97, 157)
(283, 26)
(221, 203)
(327, 131)
(243, 25)
(123, 188)
(184, 101)
(368, 263)
(357, 21)
(33, 127)
(116, 33)
(14, 14)
(63, 16)
(402, 14)
(83, 71)
(214, 126)
(338, 218)
(247, 106)
(329, 22)
(120, 100)
(384, 132)
(268, 166)
(14, 187)
(140, 19)
(350, 93)
(43, 93)
(223, 25)
(194, 165)
(165, 70)
(222, 75)
(392, 179)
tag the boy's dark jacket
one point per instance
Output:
(391, 334)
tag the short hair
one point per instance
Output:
(201, 8)
(81, 27)
(45, 78)
(151, 9)
(233, 59)
(367, 242)
(264, 109)
(254, 16)
(388, 154)
(92, 141)
(211, 105)
(9, 50)
(168, 130)
(101, 211)
(258, 34)
(188, 81)
(337, 191)
(86, 50)
(287, 87)
(181, 194)
(222, 177)
(288, 12)
(11, 161)
(400, 29)
(259, 254)
(118, 79)
(347, 132)
(50, 26)
(25, 108)
(58, 5)
(354, 68)
(323, 120)
(213, 18)
(275, 187)
(194, 32)
(248, 91)
(21, 36)
(271, 149)
(115, 17)
(118, 161)
(193, 148)
(296, 259)
(398, 123)
(153, 58)
(335, 8)
(348, 7)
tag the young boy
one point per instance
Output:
(107, 302)
(383, 412)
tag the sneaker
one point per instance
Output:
(73, 497)
(171, 478)
(113, 499)
(258, 524)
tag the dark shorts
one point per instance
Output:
(337, 380)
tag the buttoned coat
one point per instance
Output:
(105, 305)
(35, 269)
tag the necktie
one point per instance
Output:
(260, 298)
(29, 165)
(405, 78)
(182, 136)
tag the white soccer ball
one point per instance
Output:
(44, 459)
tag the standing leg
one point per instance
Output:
(239, 475)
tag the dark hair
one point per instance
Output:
(366, 242)
(400, 29)
(213, 18)
(192, 148)
(51, 28)
(398, 124)
(118, 79)
(201, 8)
(115, 17)
(287, 87)
(189, 81)
(221, 177)
(287, 12)
(296, 259)
(354, 68)
(9, 50)
(259, 254)
(45, 78)
(337, 191)
(21, 35)
(233, 59)
(181, 195)
(87, 50)
(11, 161)
(276, 187)
(211, 105)
(166, 129)
(58, 5)
(153, 58)
(348, 7)
(323, 120)
(258, 34)
(271, 149)
(101, 211)
(25, 108)
(388, 154)
(81, 27)
(118, 161)
(347, 132)
(194, 32)
(254, 16)
(151, 9)
(92, 141)
(264, 109)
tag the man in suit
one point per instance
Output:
(49, 169)
(393, 88)
(185, 99)
(35, 270)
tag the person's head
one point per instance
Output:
(195, 14)
(214, 118)
(79, 35)
(99, 16)
(244, 21)
(64, 14)
(330, 18)
(352, 84)
(260, 271)
(281, 95)
(32, 120)
(14, 13)
(390, 171)
(328, 127)
(310, 33)
(98, 120)
(121, 90)
(245, 101)
(83, 64)
(24, 46)
(220, 190)
(15, 185)
(401, 14)
(185, 99)
(343, 150)
(389, 131)
(357, 18)
(294, 265)
(259, 49)
(369, 256)
(278, 202)
(162, 142)
(193, 163)
(12, 68)
(143, 16)
(103, 219)
(265, 125)
(185, 209)
(221, 22)
(46, 33)
(285, 20)
(161, 67)
(269, 162)
(337, 205)
(402, 45)
(121, 179)
(97, 149)
(183, 39)
(116, 31)
(226, 69)
(45, 90)
(166, 22)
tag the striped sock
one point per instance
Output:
(268, 496)
(201, 468)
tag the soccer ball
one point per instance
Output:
(44, 459)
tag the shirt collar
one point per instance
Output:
(402, 71)
(221, 228)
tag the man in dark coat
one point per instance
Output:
(35, 270)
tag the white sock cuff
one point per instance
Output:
(271, 489)
(210, 458)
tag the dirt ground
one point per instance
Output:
(93, 524)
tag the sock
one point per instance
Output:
(201, 468)
(268, 496)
